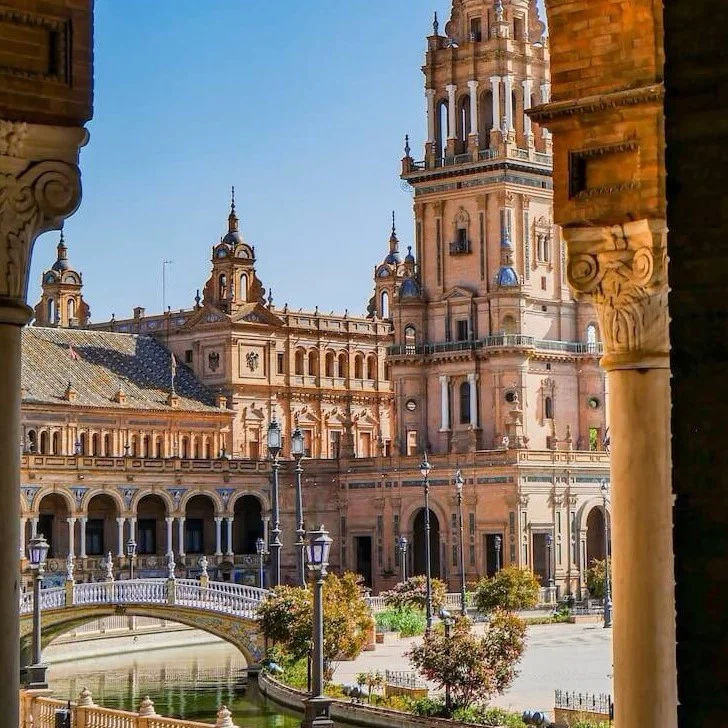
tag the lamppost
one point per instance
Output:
(549, 551)
(403, 544)
(274, 448)
(607, 581)
(297, 451)
(37, 552)
(447, 623)
(316, 712)
(498, 542)
(260, 550)
(131, 554)
(425, 472)
(459, 482)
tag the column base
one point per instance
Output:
(316, 713)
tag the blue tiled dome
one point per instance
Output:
(409, 289)
(507, 276)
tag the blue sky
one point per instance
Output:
(303, 106)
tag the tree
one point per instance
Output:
(286, 618)
(596, 578)
(474, 668)
(373, 679)
(413, 594)
(512, 588)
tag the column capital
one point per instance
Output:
(120, 519)
(218, 519)
(472, 84)
(451, 88)
(430, 93)
(71, 519)
(169, 519)
(495, 80)
(444, 378)
(623, 269)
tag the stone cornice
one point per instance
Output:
(556, 110)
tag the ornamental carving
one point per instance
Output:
(12, 137)
(624, 270)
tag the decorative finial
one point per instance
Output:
(435, 25)
(61, 241)
(85, 699)
(232, 217)
(394, 229)
(270, 298)
(498, 6)
(232, 199)
(69, 568)
(109, 567)
(407, 149)
(197, 299)
(170, 566)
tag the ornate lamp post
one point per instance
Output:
(425, 472)
(459, 482)
(37, 552)
(498, 542)
(297, 450)
(403, 544)
(607, 581)
(274, 449)
(316, 713)
(447, 623)
(260, 550)
(131, 547)
(549, 551)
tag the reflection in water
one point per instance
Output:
(184, 682)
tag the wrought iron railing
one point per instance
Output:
(404, 679)
(499, 341)
(584, 702)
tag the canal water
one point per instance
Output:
(184, 682)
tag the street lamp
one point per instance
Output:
(447, 623)
(274, 448)
(130, 554)
(459, 482)
(607, 581)
(37, 552)
(498, 542)
(425, 472)
(549, 551)
(297, 451)
(260, 550)
(316, 713)
(403, 544)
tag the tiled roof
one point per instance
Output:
(138, 364)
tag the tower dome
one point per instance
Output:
(233, 236)
(507, 276)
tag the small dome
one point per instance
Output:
(60, 265)
(233, 238)
(507, 277)
(409, 258)
(392, 258)
(409, 289)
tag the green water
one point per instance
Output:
(184, 682)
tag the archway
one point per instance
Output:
(595, 536)
(150, 535)
(247, 524)
(101, 531)
(199, 525)
(52, 514)
(418, 545)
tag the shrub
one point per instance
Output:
(596, 578)
(408, 622)
(412, 594)
(489, 716)
(511, 589)
(428, 707)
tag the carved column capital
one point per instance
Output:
(624, 270)
(40, 185)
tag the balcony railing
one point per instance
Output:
(499, 341)
(484, 155)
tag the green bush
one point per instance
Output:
(513, 588)
(489, 716)
(408, 622)
(428, 707)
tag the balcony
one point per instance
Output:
(499, 341)
(503, 152)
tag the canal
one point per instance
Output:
(184, 682)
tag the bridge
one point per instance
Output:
(223, 609)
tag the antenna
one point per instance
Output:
(165, 263)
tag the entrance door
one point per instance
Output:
(540, 566)
(363, 548)
(493, 559)
(418, 535)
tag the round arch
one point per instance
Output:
(264, 502)
(419, 543)
(216, 502)
(113, 494)
(161, 493)
(57, 490)
(585, 509)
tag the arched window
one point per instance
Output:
(358, 367)
(44, 443)
(591, 338)
(208, 449)
(442, 128)
(517, 120)
(384, 307)
(83, 444)
(371, 367)
(298, 365)
(195, 448)
(32, 443)
(107, 445)
(548, 408)
(343, 369)
(329, 364)
(71, 308)
(222, 287)
(410, 335)
(243, 294)
(509, 325)
(485, 119)
(313, 363)
(56, 443)
(158, 447)
(184, 448)
(464, 120)
(51, 311)
(464, 403)
(95, 445)
(145, 447)
(133, 450)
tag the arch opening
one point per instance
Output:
(247, 524)
(418, 539)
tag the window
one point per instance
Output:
(462, 328)
(591, 338)
(71, 309)
(335, 444)
(95, 537)
(384, 308)
(279, 362)
(476, 34)
(343, 369)
(298, 363)
(243, 287)
(410, 338)
(509, 325)
(518, 29)
(548, 408)
(83, 444)
(329, 364)
(543, 283)
(411, 442)
(313, 363)
(188, 356)
(222, 287)
(464, 403)
(184, 448)
(51, 311)
(307, 440)
(146, 536)
(32, 441)
(194, 532)
(95, 445)
(371, 367)
(56, 448)
(43, 443)
(107, 445)
(358, 367)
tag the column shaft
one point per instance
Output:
(23, 521)
(508, 93)
(473, 86)
(82, 537)
(444, 402)
(181, 535)
(169, 521)
(120, 536)
(34, 526)
(526, 105)
(472, 381)
(218, 539)
(452, 132)
(495, 86)
(430, 93)
(71, 532)
(229, 551)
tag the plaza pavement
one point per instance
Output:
(573, 657)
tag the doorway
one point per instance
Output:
(419, 556)
(493, 556)
(363, 550)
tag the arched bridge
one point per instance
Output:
(226, 610)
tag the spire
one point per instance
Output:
(407, 149)
(435, 25)
(232, 217)
(62, 249)
(393, 241)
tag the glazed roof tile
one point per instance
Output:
(106, 362)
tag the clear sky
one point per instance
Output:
(303, 106)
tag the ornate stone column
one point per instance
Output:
(120, 536)
(623, 269)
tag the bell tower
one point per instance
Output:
(233, 282)
(492, 295)
(61, 302)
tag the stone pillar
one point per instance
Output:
(132, 527)
(527, 131)
(120, 536)
(82, 537)
(452, 132)
(508, 94)
(23, 522)
(624, 271)
(218, 539)
(545, 98)
(444, 402)
(169, 520)
(474, 138)
(34, 526)
(181, 536)
(495, 86)
(266, 526)
(430, 93)
(473, 386)
(71, 533)
(229, 521)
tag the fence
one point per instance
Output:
(568, 705)
(400, 682)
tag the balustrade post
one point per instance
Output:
(81, 719)
(171, 582)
